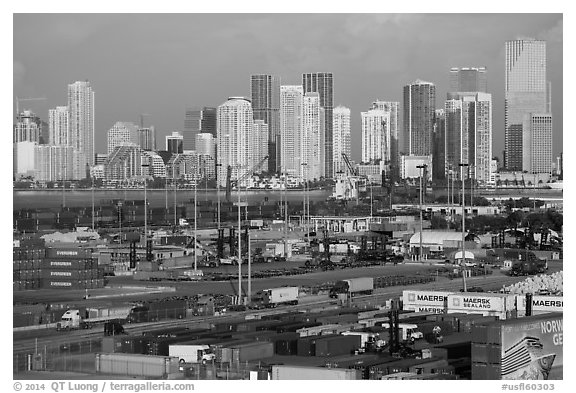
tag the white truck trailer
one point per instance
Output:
(192, 353)
(275, 296)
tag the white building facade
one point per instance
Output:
(291, 129)
(58, 119)
(122, 133)
(340, 137)
(312, 143)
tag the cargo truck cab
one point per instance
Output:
(71, 319)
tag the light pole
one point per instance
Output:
(175, 196)
(239, 239)
(305, 184)
(463, 228)
(195, 218)
(92, 202)
(145, 207)
(422, 168)
(218, 193)
(371, 208)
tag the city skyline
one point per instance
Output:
(375, 78)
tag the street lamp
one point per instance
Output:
(195, 217)
(461, 165)
(304, 166)
(218, 193)
(92, 202)
(239, 239)
(145, 206)
(422, 168)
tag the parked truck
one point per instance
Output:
(353, 287)
(527, 268)
(408, 331)
(192, 353)
(273, 297)
(87, 318)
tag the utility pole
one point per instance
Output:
(463, 228)
(422, 168)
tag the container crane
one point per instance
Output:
(230, 183)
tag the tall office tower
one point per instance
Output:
(419, 107)
(174, 143)
(468, 119)
(537, 143)
(323, 84)
(392, 108)
(44, 133)
(313, 137)
(26, 128)
(198, 120)
(525, 92)
(291, 128)
(265, 91)
(81, 119)
(206, 145)
(439, 151)
(258, 143)
(235, 122)
(340, 138)
(375, 136)
(468, 79)
(58, 119)
(147, 138)
(122, 133)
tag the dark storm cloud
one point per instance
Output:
(160, 63)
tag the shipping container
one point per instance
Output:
(283, 372)
(252, 351)
(540, 304)
(337, 345)
(71, 264)
(502, 305)
(136, 365)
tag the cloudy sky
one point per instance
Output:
(161, 63)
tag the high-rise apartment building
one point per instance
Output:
(323, 84)
(265, 91)
(147, 138)
(439, 151)
(235, 122)
(419, 107)
(468, 133)
(26, 128)
(206, 145)
(537, 143)
(393, 108)
(468, 79)
(57, 162)
(340, 137)
(526, 91)
(81, 119)
(174, 143)
(313, 137)
(291, 129)
(58, 120)
(375, 136)
(198, 120)
(122, 133)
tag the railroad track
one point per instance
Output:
(28, 345)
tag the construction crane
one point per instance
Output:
(230, 183)
(19, 100)
(353, 172)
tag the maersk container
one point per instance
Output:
(431, 299)
(284, 373)
(337, 345)
(136, 365)
(500, 304)
(540, 304)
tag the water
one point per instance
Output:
(35, 199)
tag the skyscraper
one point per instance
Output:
(122, 133)
(258, 143)
(468, 79)
(468, 125)
(340, 137)
(235, 122)
(206, 145)
(313, 136)
(537, 143)
(322, 83)
(198, 120)
(81, 119)
(291, 128)
(439, 151)
(375, 136)
(265, 91)
(58, 119)
(174, 143)
(392, 108)
(27, 128)
(419, 107)
(525, 92)
(147, 138)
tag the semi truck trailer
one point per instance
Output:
(353, 287)
(273, 297)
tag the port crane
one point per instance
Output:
(231, 183)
